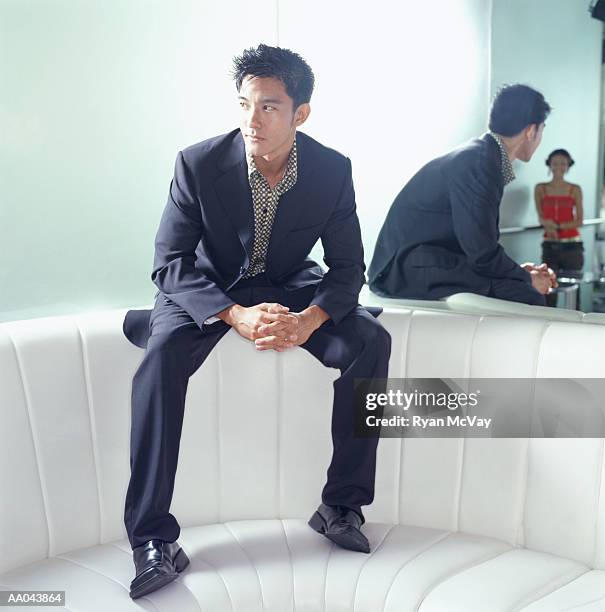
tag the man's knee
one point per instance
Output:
(384, 338)
(173, 339)
(175, 345)
(373, 334)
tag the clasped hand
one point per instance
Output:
(271, 325)
(543, 279)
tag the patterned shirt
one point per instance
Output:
(508, 174)
(265, 200)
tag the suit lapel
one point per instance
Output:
(235, 195)
(233, 190)
(293, 202)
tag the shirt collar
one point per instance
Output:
(508, 174)
(291, 167)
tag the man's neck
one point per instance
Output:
(274, 165)
(511, 145)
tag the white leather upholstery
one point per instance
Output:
(594, 317)
(469, 525)
(472, 303)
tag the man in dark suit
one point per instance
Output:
(231, 251)
(441, 234)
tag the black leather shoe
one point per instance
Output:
(157, 563)
(341, 525)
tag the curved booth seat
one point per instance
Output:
(472, 303)
(457, 524)
(597, 318)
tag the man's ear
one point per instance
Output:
(302, 113)
(531, 132)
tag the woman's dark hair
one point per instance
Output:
(515, 107)
(564, 153)
(283, 64)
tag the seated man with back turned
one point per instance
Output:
(441, 234)
(231, 252)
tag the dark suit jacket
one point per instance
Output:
(441, 234)
(204, 242)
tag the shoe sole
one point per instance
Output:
(181, 561)
(318, 523)
(152, 584)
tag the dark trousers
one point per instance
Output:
(358, 346)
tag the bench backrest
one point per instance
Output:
(256, 436)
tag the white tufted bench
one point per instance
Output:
(471, 303)
(457, 525)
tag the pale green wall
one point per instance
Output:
(97, 97)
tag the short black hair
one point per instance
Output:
(515, 107)
(277, 62)
(564, 153)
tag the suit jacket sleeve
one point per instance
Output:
(338, 291)
(179, 233)
(475, 206)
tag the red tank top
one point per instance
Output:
(560, 208)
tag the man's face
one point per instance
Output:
(268, 121)
(533, 138)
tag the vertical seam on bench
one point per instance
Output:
(460, 477)
(250, 561)
(390, 530)
(404, 371)
(455, 572)
(280, 397)
(34, 442)
(92, 422)
(463, 441)
(533, 403)
(283, 528)
(218, 435)
(325, 607)
(409, 560)
(599, 496)
(472, 345)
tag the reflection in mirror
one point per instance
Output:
(552, 211)
(434, 243)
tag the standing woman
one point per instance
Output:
(559, 207)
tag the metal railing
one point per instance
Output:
(524, 228)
